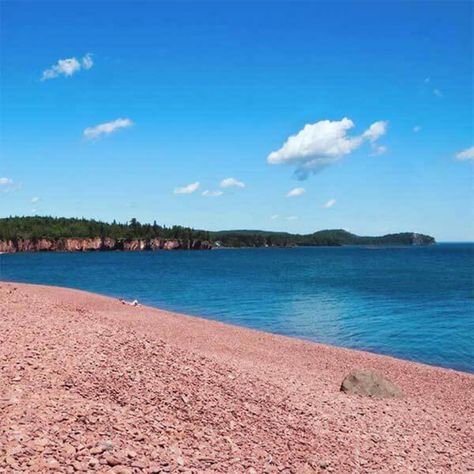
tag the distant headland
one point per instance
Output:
(41, 234)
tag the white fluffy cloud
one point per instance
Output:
(68, 67)
(190, 188)
(467, 154)
(231, 182)
(323, 143)
(296, 192)
(208, 193)
(96, 132)
(329, 204)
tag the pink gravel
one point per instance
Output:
(90, 385)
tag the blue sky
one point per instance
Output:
(159, 96)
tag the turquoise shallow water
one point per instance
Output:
(416, 303)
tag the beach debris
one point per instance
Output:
(370, 384)
(130, 303)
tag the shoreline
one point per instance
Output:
(248, 388)
(211, 320)
(204, 320)
(136, 248)
(214, 324)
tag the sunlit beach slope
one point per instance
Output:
(90, 384)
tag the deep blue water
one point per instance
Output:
(411, 302)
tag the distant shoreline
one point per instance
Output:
(40, 233)
(141, 245)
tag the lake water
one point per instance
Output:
(416, 303)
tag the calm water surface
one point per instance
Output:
(415, 303)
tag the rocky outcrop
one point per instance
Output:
(7, 246)
(156, 244)
(201, 245)
(98, 244)
(172, 245)
(109, 244)
(370, 384)
(43, 245)
(136, 245)
(82, 245)
(39, 245)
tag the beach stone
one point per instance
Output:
(69, 450)
(139, 464)
(79, 466)
(370, 384)
(121, 470)
(53, 464)
(113, 460)
(106, 445)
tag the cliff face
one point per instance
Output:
(98, 244)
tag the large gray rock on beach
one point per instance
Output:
(370, 384)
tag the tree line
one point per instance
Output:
(39, 227)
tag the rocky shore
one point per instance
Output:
(99, 244)
(88, 384)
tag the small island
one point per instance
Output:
(43, 234)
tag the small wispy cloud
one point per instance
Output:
(7, 185)
(67, 67)
(35, 199)
(464, 155)
(376, 130)
(231, 182)
(432, 85)
(94, 133)
(417, 128)
(209, 193)
(378, 149)
(292, 218)
(190, 188)
(87, 61)
(5, 181)
(296, 192)
(329, 204)
(275, 216)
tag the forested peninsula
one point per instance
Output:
(38, 233)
